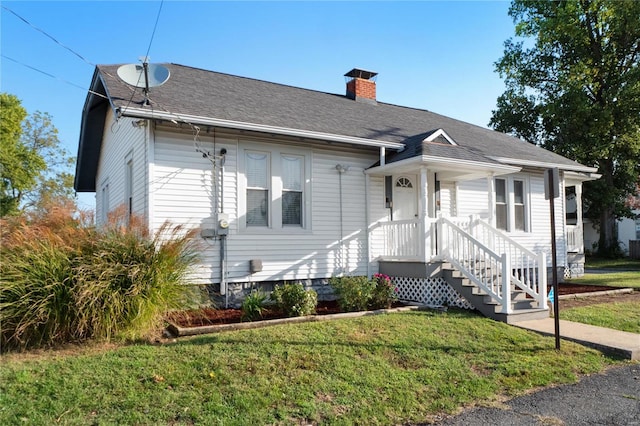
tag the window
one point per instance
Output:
(511, 204)
(501, 205)
(257, 170)
(104, 203)
(275, 188)
(128, 186)
(518, 204)
(571, 206)
(292, 172)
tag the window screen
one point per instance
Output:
(501, 204)
(518, 204)
(257, 170)
(292, 172)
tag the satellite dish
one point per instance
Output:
(134, 75)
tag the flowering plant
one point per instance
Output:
(384, 292)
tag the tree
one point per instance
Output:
(34, 168)
(573, 86)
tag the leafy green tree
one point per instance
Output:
(573, 86)
(35, 170)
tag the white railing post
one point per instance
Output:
(542, 280)
(506, 284)
(442, 248)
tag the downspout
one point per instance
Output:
(366, 220)
(341, 169)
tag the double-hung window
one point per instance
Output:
(511, 204)
(258, 177)
(276, 188)
(292, 193)
(502, 210)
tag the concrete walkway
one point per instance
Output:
(616, 342)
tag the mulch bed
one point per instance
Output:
(566, 288)
(211, 316)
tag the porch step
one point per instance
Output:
(524, 308)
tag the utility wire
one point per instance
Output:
(52, 76)
(48, 35)
(154, 28)
(146, 57)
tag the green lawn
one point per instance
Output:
(388, 369)
(624, 316)
(625, 263)
(610, 279)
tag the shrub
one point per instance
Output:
(360, 293)
(384, 292)
(354, 293)
(61, 281)
(294, 300)
(253, 305)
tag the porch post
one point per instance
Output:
(579, 227)
(491, 193)
(424, 217)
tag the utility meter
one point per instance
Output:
(223, 224)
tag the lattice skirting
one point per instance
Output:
(574, 270)
(429, 291)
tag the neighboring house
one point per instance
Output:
(628, 230)
(290, 184)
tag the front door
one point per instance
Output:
(405, 198)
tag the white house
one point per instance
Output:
(290, 184)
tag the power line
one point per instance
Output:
(146, 57)
(51, 75)
(153, 33)
(48, 35)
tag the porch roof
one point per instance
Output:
(451, 162)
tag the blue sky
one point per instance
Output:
(431, 55)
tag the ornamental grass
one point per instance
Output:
(62, 281)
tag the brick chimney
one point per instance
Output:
(361, 85)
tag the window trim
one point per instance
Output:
(104, 202)
(511, 203)
(128, 184)
(275, 153)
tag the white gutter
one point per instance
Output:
(230, 124)
(573, 167)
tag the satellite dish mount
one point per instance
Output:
(145, 76)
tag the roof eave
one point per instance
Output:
(577, 167)
(240, 125)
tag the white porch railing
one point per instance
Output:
(483, 267)
(484, 254)
(575, 239)
(529, 270)
(401, 239)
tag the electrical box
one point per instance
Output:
(255, 265)
(208, 233)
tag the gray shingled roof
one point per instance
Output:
(198, 92)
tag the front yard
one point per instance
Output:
(611, 273)
(389, 369)
(620, 312)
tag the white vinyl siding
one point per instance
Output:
(122, 141)
(183, 192)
